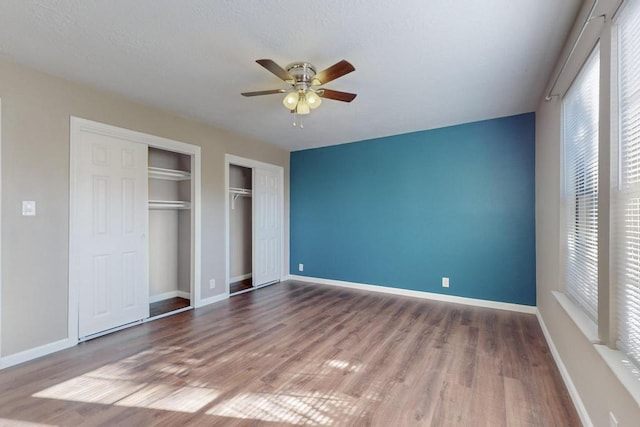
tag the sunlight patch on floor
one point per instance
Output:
(159, 396)
(137, 381)
(342, 364)
(4, 422)
(90, 390)
(146, 380)
(294, 408)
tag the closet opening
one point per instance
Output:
(170, 217)
(254, 222)
(240, 229)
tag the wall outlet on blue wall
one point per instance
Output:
(445, 282)
(300, 267)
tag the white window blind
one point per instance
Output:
(580, 196)
(626, 205)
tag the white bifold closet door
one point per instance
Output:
(110, 232)
(267, 226)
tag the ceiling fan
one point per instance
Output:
(304, 93)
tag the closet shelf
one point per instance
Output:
(237, 192)
(168, 174)
(169, 204)
(240, 191)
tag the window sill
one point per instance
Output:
(623, 369)
(582, 321)
(627, 373)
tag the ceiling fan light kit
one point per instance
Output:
(304, 94)
(291, 100)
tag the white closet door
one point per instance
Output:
(267, 226)
(110, 232)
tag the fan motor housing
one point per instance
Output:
(302, 72)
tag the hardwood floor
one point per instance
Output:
(241, 285)
(167, 306)
(293, 354)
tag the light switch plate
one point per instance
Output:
(28, 208)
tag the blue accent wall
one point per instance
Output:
(404, 211)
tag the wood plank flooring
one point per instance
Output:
(167, 306)
(241, 285)
(300, 354)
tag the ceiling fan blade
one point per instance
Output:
(336, 70)
(275, 69)
(264, 92)
(337, 95)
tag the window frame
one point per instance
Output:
(620, 193)
(568, 201)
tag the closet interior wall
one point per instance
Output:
(169, 227)
(240, 219)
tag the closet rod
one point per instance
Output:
(236, 194)
(573, 48)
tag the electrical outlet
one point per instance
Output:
(212, 284)
(445, 282)
(28, 208)
(300, 267)
(612, 420)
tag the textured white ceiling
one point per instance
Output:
(420, 64)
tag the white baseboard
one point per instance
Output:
(167, 295)
(239, 278)
(34, 353)
(418, 294)
(213, 299)
(185, 295)
(573, 392)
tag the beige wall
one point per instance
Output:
(163, 252)
(597, 386)
(240, 238)
(35, 166)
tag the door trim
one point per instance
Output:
(230, 159)
(0, 230)
(77, 125)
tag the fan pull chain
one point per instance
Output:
(295, 117)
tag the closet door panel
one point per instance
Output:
(267, 225)
(110, 232)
